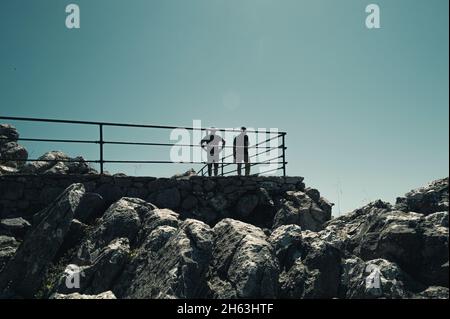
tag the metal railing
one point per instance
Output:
(279, 160)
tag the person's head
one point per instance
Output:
(243, 129)
(212, 130)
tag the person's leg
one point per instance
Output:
(247, 168)
(239, 166)
(216, 169)
(247, 164)
(210, 169)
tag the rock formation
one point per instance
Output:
(133, 249)
(68, 233)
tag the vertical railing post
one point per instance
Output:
(284, 153)
(101, 148)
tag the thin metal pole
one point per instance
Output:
(284, 154)
(101, 148)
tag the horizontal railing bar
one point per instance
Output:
(173, 144)
(124, 161)
(29, 119)
(57, 140)
(171, 162)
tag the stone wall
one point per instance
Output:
(207, 199)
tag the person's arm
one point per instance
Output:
(203, 141)
(234, 148)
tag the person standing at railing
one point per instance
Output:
(213, 144)
(240, 151)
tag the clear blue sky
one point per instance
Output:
(366, 111)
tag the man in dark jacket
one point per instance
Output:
(240, 151)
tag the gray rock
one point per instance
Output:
(13, 155)
(244, 264)
(104, 295)
(426, 200)
(301, 210)
(92, 205)
(287, 243)
(8, 133)
(433, 292)
(8, 247)
(24, 273)
(15, 227)
(101, 274)
(121, 220)
(178, 269)
(57, 162)
(377, 278)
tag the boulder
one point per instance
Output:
(176, 270)
(426, 200)
(57, 162)
(243, 264)
(23, 274)
(91, 206)
(104, 295)
(101, 274)
(8, 247)
(298, 208)
(433, 292)
(15, 227)
(121, 220)
(316, 273)
(376, 278)
(287, 243)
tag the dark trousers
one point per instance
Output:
(216, 169)
(247, 169)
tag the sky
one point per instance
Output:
(365, 110)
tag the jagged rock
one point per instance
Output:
(12, 155)
(316, 273)
(426, 200)
(15, 227)
(101, 274)
(104, 295)
(376, 278)
(187, 174)
(178, 269)
(8, 133)
(73, 238)
(91, 206)
(57, 162)
(6, 170)
(287, 243)
(433, 292)
(244, 264)
(24, 273)
(8, 247)
(301, 210)
(418, 244)
(121, 220)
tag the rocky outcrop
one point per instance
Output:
(57, 162)
(103, 295)
(426, 200)
(24, 272)
(12, 155)
(265, 238)
(243, 263)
